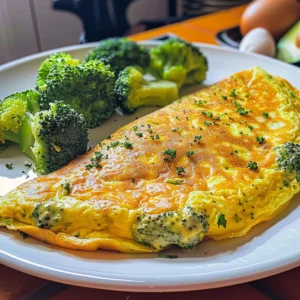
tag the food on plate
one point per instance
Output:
(277, 16)
(214, 164)
(87, 87)
(179, 61)
(258, 40)
(287, 48)
(120, 53)
(51, 138)
(133, 91)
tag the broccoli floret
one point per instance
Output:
(47, 214)
(120, 53)
(52, 138)
(88, 88)
(13, 112)
(288, 158)
(133, 91)
(53, 60)
(185, 229)
(179, 61)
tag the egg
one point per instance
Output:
(259, 40)
(277, 16)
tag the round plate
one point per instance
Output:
(269, 248)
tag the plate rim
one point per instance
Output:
(150, 283)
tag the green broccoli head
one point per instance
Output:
(179, 61)
(133, 91)
(59, 135)
(120, 53)
(13, 112)
(288, 158)
(88, 88)
(53, 60)
(52, 138)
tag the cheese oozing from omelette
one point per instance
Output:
(214, 163)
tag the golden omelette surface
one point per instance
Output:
(215, 132)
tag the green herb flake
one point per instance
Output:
(207, 123)
(114, 144)
(9, 166)
(224, 97)
(197, 138)
(180, 170)
(221, 220)
(190, 153)
(139, 134)
(233, 93)
(169, 256)
(175, 181)
(250, 127)
(266, 115)
(260, 139)
(27, 165)
(169, 152)
(242, 111)
(128, 145)
(23, 235)
(252, 165)
(135, 128)
(149, 128)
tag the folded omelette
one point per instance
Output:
(214, 164)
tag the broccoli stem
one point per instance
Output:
(156, 93)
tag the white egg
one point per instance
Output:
(258, 40)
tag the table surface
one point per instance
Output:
(17, 285)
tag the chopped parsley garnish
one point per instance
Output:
(114, 144)
(207, 113)
(135, 128)
(221, 220)
(292, 95)
(128, 145)
(149, 128)
(233, 93)
(252, 165)
(197, 138)
(27, 165)
(266, 115)
(9, 166)
(180, 170)
(207, 123)
(190, 153)
(242, 111)
(250, 127)
(23, 235)
(170, 256)
(171, 153)
(175, 181)
(260, 139)
(199, 102)
(157, 137)
(224, 97)
(67, 187)
(89, 166)
(139, 134)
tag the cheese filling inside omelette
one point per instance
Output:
(214, 164)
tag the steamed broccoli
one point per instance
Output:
(133, 91)
(120, 53)
(54, 60)
(88, 88)
(178, 61)
(51, 138)
(288, 158)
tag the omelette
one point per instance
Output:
(212, 164)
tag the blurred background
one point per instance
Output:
(31, 26)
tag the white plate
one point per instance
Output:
(269, 248)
